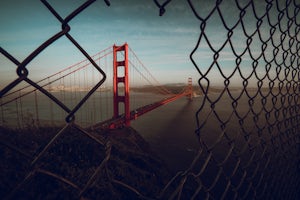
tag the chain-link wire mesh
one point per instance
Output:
(252, 152)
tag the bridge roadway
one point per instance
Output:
(134, 114)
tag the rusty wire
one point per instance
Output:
(260, 162)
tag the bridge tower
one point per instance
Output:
(190, 88)
(121, 81)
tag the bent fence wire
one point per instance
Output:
(251, 152)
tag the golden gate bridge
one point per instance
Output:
(130, 90)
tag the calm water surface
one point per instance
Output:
(170, 130)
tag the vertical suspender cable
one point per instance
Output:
(64, 94)
(17, 112)
(132, 81)
(64, 90)
(86, 106)
(51, 105)
(61, 93)
(73, 90)
(93, 111)
(100, 98)
(107, 95)
(36, 109)
(21, 109)
(78, 95)
(2, 113)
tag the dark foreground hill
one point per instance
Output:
(116, 164)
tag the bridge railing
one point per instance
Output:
(248, 152)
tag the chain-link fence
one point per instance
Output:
(253, 153)
(249, 152)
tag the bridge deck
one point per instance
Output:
(134, 114)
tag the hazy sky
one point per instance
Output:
(162, 43)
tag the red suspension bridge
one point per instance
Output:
(129, 91)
